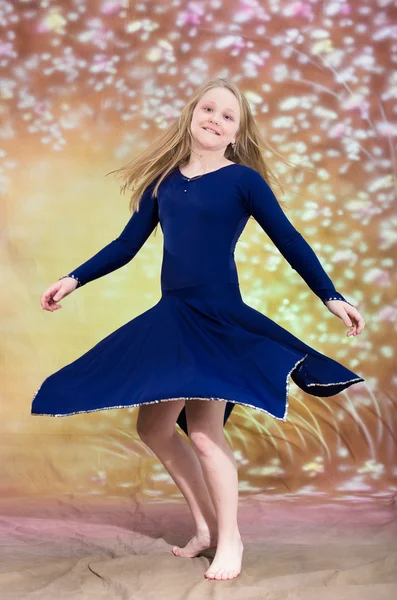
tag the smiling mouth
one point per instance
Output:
(210, 131)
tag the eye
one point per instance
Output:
(205, 108)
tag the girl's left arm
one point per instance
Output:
(263, 205)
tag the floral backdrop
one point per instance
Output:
(85, 86)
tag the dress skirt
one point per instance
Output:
(200, 342)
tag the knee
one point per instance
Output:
(147, 432)
(202, 443)
(143, 431)
(152, 434)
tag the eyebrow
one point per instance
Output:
(211, 102)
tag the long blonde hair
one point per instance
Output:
(172, 148)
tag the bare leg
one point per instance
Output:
(156, 428)
(205, 424)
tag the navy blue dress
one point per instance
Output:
(200, 340)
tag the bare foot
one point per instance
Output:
(198, 543)
(227, 561)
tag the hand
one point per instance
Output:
(57, 291)
(349, 315)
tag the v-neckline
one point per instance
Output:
(209, 172)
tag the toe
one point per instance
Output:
(218, 575)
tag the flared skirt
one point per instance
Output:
(202, 342)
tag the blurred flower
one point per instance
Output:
(313, 468)
(145, 25)
(251, 9)
(109, 7)
(338, 130)
(322, 47)
(387, 129)
(101, 63)
(357, 101)
(388, 313)
(377, 276)
(372, 467)
(191, 16)
(53, 21)
(97, 34)
(345, 9)
(300, 9)
(164, 51)
(347, 256)
(7, 49)
(231, 41)
(100, 478)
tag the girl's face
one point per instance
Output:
(217, 110)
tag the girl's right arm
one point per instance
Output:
(113, 256)
(123, 249)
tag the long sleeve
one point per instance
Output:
(123, 249)
(264, 207)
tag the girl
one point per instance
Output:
(201, 180)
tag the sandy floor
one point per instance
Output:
(295, 548)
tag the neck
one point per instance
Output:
(206, 160)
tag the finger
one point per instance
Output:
(47, 298)
(46, 305)
(361, 325)
(353, 317)
(44, 300)
(353, 327)
(347, 321)
(47, 302)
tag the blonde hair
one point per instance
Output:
(172, 148)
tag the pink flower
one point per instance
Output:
(237, 46)
(359, 102)
(302, 9)
(345, 10)
(378, 277)
(41, 108)
(338, 130)
(388, 313)
(111, 6)
(387, 129)
(191, 16)
(6, 49)
(244, 15)
(96, 33)
(101, 63)
(251, 9)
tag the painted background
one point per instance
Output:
(87, 85)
